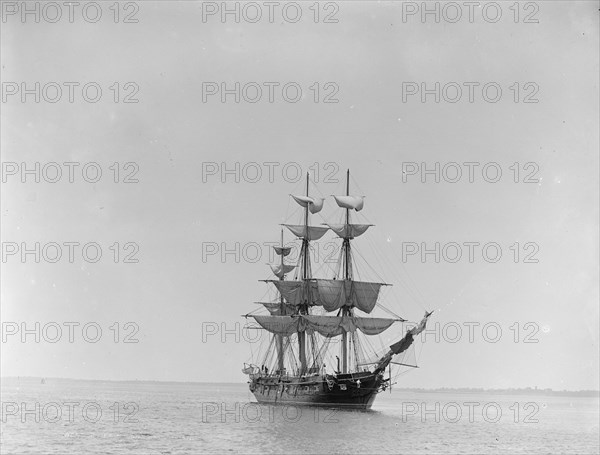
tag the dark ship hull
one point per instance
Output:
(348, 391)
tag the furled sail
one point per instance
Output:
(307, 232)
(280, 270)
(350, 202)
(331, 326)
(328, 326)
(280, 250)
(334, 294)
(349, 231)
(250, 369)
(314, 204)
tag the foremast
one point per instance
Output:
(349, 232)
(346, 309)
(279, 338)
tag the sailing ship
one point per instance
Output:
(317, 319)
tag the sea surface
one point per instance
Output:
(64, 416)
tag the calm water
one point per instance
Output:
(75, 417)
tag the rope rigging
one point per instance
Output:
(310, 347)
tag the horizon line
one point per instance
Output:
(534, 388)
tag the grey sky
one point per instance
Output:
(171, 132)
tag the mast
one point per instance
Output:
(305, 276)
(279, 338)
(347, 276)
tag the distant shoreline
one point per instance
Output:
(511, 391)
(473, 390)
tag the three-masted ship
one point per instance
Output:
(317, 320)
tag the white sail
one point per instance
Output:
(282, 251)
(364, 295)
(314, 204)
(279, 271)
(373, 326)
(350, 202)
(280, 325)
(334, 294)
(302, 200)
(307, 232)
(296, 292)
(275, 308)
(349, 231)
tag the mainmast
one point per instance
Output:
(347, 276)
(305, 276)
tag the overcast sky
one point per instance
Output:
(366, 57)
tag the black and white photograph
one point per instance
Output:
(300, 227)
